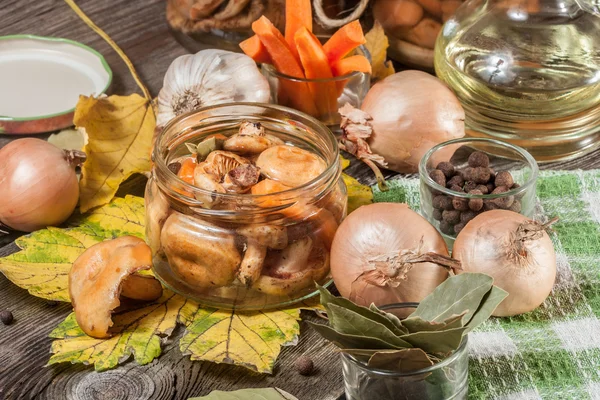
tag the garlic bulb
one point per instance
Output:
(207, 78)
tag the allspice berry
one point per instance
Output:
(446, 228)
(475, 204)
(503, 202)
(466, 216)
(483, 189)
(458, 227)
(504, 178)
(438, 177)
(456, 188)
(460, 204)
(437, 214)
(447, 168)
(6, 317)
(174, 167)
(478, 159)
(469, 186)
(304, 365)
(442, 202)
(481, 175)
(515, 206)
(490, 186)
(452, 217)
(455, 180)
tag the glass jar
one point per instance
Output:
(201, 240)
(526, 71)
(502, 157)
(351, 88)
(447, 379)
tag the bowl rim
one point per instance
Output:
(424, 175)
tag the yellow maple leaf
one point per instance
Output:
(251, 339)
(140, 332)
(120, 131)
(377, 44)
(43, 264)
(358, 194)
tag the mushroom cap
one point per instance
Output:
(290, 165)
(278, 281)
(271, 236)
(220, 162)
(96, 279)
(141, 287)
(201, 254)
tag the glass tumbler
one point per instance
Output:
(445, 380)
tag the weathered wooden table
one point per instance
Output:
(140, 28)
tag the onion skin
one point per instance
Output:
(39, 186)
(379, 229)
(412, 112)
(483, 246)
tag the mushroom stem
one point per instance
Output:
(294, 258)
(252, 263)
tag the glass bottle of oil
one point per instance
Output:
(526, 71)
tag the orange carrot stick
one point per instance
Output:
(351, 64)
(186, 172)
(298, 14)
(254, 49)
(285, 63)
(346, 39)
(316, 66)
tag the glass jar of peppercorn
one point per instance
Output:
(481, 175)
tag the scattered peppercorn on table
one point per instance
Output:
(551, 353)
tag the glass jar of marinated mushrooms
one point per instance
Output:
(242, 205)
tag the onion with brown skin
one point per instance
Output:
(38, 184)
(386, 253)
(515, 251)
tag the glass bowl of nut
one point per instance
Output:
(242, 205)
(463, 178)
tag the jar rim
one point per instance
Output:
(333, 166)
(513, 192)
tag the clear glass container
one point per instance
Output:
(502, 157)
(351, 88)
(200, 239)
(527, 72)
(445, 380)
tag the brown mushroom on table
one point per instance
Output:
(102, 274)
(289, 165)
(259, 238)
(295, 268)
(201, 254)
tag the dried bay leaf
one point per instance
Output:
(377, 44)
(248, 394)
(120, 131)
(455, 295)
(405, 360)
(441, 342)
(418, 324)
(346, 341)
(488, 304)
(395, 320)
(349, 322)
(327, 298)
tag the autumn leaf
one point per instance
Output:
(377, 44)
(43, 264)
(250, 339)
(141, 331)
(120, 131)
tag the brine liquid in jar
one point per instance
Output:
(527, 72)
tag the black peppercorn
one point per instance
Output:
(455, 180)
(452, 217)
(6, 317)
(447, 168)
(304, 365)
(438, 177)
(504, 178)
(478, 159)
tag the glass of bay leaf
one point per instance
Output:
(423, 356)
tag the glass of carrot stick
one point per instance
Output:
(313, 76)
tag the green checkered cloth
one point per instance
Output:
(554, 351)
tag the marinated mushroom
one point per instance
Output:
(296, 267)
(259, 238)
(202, 255)
(158, 208)
(97, 278)
(241, 178)
(210, 175)
(289, 165)
(251, 139)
